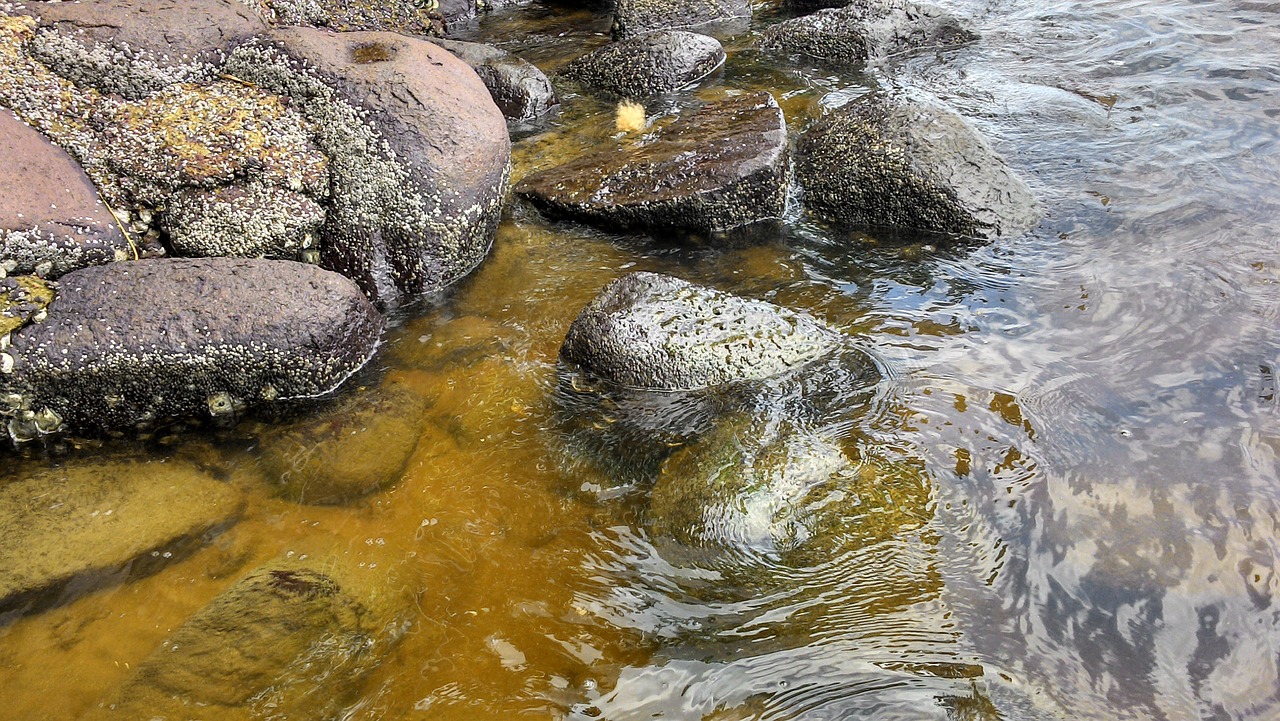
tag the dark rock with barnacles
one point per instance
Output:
(656, 62)
(893, 161)
(723, 167)
(637, 17)
(127, 346)
(862, 31)
(521, 91)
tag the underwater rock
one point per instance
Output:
(91, 521)
(901, 162)
(289, 640)
(637, 17)
(656, 62)
(128, 345)
(358, 446)
(656, 332)
(51, 220)
(723, 167)
(853, 34)
(419, 153)
(521, 91)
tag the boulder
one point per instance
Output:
(521, 91)
(656, 62)
(89, 522)
(290, 640)
(723, 167)
(656, 332)
(51, 219)
(856, 33)
(408, 17)
(419, 154)
(355, 447)
(249, 220)
(127, 345)
(637, 17)
(893, 161)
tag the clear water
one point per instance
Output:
(1092, 409)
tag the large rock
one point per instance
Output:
(656, 332)
(899, 162)
(656, 62)
(290, 640)
(419, 153)
(94, 521)
(521, 91)
(128, 344)
(51, 219)
(637, 17)
(854, 34)
(723, 167)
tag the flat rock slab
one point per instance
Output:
(723, 167)
(892, 161)
(90, 520)
(656, 62)
(857, 33)
(129, 344)
(51, 219)
(637, 17)
(656, 332)
(521, 91)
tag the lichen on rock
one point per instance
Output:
(22, 299)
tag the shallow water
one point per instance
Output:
(1090, 528)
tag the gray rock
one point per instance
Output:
(127, 345)
(899, 162)
(521, 91)
(90, 522)
(253, 220)
(290, 640)
(656, 332)
(656, 62)
(419, 153)
(854, 34)
(51, 220)
(723, 167)
(637, 17)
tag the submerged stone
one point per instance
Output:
(521, 91)
(723, 167)
(856, 33)
(899, 162)
(129, 345)
(93, 521)
(656, 62)
(637, 17)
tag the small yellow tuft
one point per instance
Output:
(630, 117)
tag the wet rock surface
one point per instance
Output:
(894, 161)
(656, 62)
(289, 640)
(859, 32)
(51, 219)
(520, 90)
(129, 345)
(636, 17)
(656, 332)
(66, 531)
(723, 167)
(358, 446)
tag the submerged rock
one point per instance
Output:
(637, 17)
(656, 62)
(290, 640)
(856, 33)
(93, 521)
(722, 167)
(521, 91)
(656, 332)
(128, 345)
(898, 162)
(51, 220)
(356, 447)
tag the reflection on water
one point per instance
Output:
(1084, 424)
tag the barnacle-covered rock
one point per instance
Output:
(51, 219)
(895, 161)
(723, 167)
(862, 31)
(521, 91)
(655, 62)
(127, 345)
(637, 17)
(253, 220)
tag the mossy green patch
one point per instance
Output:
(21, 299)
